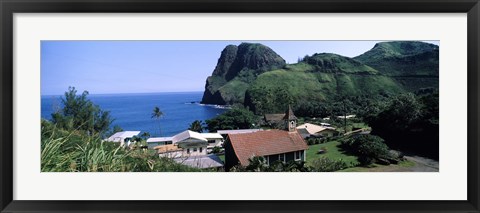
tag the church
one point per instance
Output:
(274, 145)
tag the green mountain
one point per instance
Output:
(413, 64)
(236, 68)
(254, 75)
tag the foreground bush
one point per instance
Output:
(324, 164)
(72, 151)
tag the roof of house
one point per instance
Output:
(313, 129)
(211, 135)
(274, 117)
(188, 136)
(208, 161)
(262, 143)
(167, 148)
(159, 139)
(119, 135)
(238, 131)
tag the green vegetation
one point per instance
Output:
(403, 58)
(259, 164)
(235, 118)
(74, 151)
(333, 63)
(324, 164)
(332, 151)
(409, 122)
(196, 126)
(368, 148)
(389, 68)
(79, 113)
(157, 114)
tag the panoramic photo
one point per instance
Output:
(239, 106)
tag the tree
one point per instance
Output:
(196, 126)
(80, 113)
(368, 148)
(157, 114)
(409, 122)
(145, 135)
(235, 118)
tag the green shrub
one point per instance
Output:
(324, 164)
(368, 148)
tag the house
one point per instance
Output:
(274, 145)
(190, 148)
(160, 141)
(169, 151)
(346, 116)
(124, 138)
(308, 129)
(213, 139)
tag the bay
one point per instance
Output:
(133, 112)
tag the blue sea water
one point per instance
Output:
(133, 112)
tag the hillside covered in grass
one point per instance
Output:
(255, 76)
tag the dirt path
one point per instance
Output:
(423, 164)
(420, 164)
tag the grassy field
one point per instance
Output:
(333, 152)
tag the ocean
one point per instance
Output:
(133, 112)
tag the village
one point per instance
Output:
(225, 149)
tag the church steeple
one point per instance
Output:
(290, 120)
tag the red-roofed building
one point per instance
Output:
(273, 145)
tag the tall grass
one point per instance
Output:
(74, 151)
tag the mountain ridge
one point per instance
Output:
(259, 78)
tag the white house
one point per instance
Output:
(124, 138)
(308, 129)
(346, 117)
(153, 142)
(213, 139)
(184, 144)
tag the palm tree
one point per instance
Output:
(196, 126)
(157, 114)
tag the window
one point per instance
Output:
(281, 157)
(188, 151)
(194, 149)
(201, 149)
(211, 141)
(266, 158)
(298, 155)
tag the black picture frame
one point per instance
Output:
(9, 7)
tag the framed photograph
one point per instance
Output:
(239, 106)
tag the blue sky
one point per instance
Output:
(106, 67)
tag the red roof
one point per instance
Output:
(264, 143)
